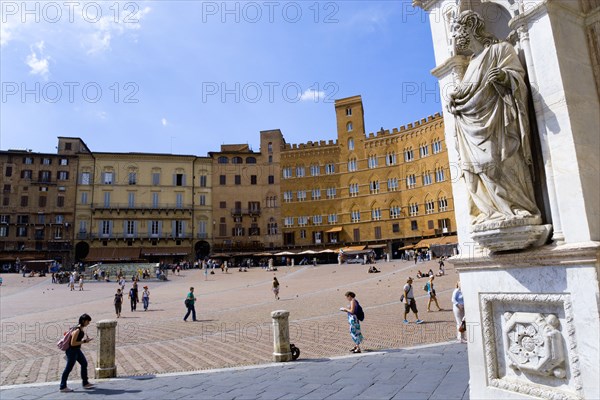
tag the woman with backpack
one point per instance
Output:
(432, 296)
(355, 315)
(74, 354)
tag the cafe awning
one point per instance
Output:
(448, 240)
(409, 247)
(334, 229)
(352, 248)
(377, 246)
(425, 243)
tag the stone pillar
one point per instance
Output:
(281, 336)
(105, 360)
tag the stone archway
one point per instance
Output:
(201, 249)
(82, 249)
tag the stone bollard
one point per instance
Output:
(105, 360)
(281, 336)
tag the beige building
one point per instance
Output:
(246, 195)
(37, 209)
(141, 206)
(386, 190)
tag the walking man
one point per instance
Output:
(190, 301)
(409, 301)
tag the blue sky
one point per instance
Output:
(188, 76)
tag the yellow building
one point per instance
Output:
(388, 190)
(141, 206)
(246, 195)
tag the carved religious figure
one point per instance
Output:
(492, 129)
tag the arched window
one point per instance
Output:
(250, 160)
(237, 160)
(270, 147)
(349, 127)
(223, 160)
(350, 144)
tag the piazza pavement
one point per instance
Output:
(234, 328)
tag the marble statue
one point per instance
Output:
(492, 129)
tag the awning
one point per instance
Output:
(448, 240)
(352, 248)
(377, 246)
(409, 247)
(113, 254)
(265, 254)
(164, 251)
(426, 243)
(334, 229)
(308, 252)
(327, 251)
(285, 253)
(38, 261)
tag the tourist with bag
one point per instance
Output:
(408, 298)
(74, 354)
(190, 301)
(458, 307)
(432, 296)
(355, 315)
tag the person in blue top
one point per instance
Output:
(432, 295)
(458, 307)
(353, 321)
(190, 302)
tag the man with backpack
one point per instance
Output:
(408, 298)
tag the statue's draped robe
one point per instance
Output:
(492, 132)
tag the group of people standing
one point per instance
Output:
(133, 296)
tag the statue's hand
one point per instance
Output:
(496, 75)
(451, 105)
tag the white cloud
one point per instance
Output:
(164, 122)
(5, 33)
(312, 95)
(108, 27)
(39, 65)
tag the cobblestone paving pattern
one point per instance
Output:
(234, 318)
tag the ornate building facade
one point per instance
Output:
(386, 190)
(37, 209)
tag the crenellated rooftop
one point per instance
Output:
(311, 145)
(385, 132)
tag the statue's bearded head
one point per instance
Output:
(470, 26)
(461, 36)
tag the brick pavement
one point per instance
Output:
(234, 312)
(429, 372)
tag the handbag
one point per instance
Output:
(463, 326)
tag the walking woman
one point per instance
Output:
(353, 321)
(458, 307)
(74, 354)
(276, 287)
(146, 298)
(118, 302)
(432, 296)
